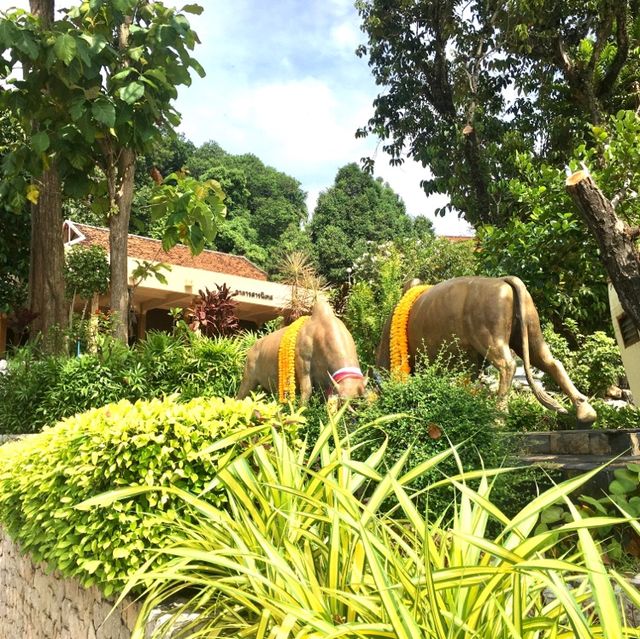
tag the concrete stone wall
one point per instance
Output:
(38, 605)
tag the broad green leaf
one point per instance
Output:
(124, 6)
(65, 48)
(96, 42)
(40, 141)
(198, 68)
(195, 9)
(132, 92)
(121, 75)
(91, 566)
(104, 112)
(622, 486)
(25, 42)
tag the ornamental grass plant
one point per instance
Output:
(304, 548)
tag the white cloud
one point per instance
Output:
(346, 36)
(300, 126)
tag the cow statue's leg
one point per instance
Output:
(306, 385)
(500, 355)
(542, 358)
(249, 378)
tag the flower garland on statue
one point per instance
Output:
(287, 360)
(398, 339)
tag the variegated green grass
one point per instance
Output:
(305, 550)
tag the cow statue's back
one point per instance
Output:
(325, 358)
(486, 318)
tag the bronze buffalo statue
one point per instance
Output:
(325, 358)
(485, 319)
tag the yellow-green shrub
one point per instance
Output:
(149, 443)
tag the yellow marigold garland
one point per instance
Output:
(287, 360)
(398, 339)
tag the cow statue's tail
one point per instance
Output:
(541, 395)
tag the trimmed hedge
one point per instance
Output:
(40, 391)
(150, 443)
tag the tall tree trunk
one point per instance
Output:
(46, 269)
(121, 199)
(118, 236)
(616, 240)
(43, 9)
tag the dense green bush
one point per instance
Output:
(435, 408)
(593, 366)
(150, 443)
(40, 390)
(525, 414)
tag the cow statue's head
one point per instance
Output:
(347, 383)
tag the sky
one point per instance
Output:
(283, 82)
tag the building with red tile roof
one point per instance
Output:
(258, 299)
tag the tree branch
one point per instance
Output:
(622, 52)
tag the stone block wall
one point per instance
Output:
(37, 605)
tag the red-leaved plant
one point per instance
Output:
(214, 312)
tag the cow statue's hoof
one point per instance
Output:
(585, 413)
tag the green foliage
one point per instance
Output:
(145, 269)
(298, 552)
(593, 366)
(14, 222)
(191, 210)
(526, 415)
(620, 543)
(98, 95)
(39, 391)
(443, 67)
(86, 271)
(149, 443)
(357, 209)
(437, 407)
(549, 248)
(264, 207)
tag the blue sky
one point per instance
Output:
(283, 82)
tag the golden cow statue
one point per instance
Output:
(484, 318)
(315, 351)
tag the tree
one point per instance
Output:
(263, 204)
(471, 88)
(357, 209)
(564, 259)
(468, 85)
(111, 69)
(22, 34)
(551, 250)
(265, 207)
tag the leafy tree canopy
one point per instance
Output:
(468, 85)
(551, 249)
(357, 209)
(265, 207)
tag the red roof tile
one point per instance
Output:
(145, 248)
(459, 238)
